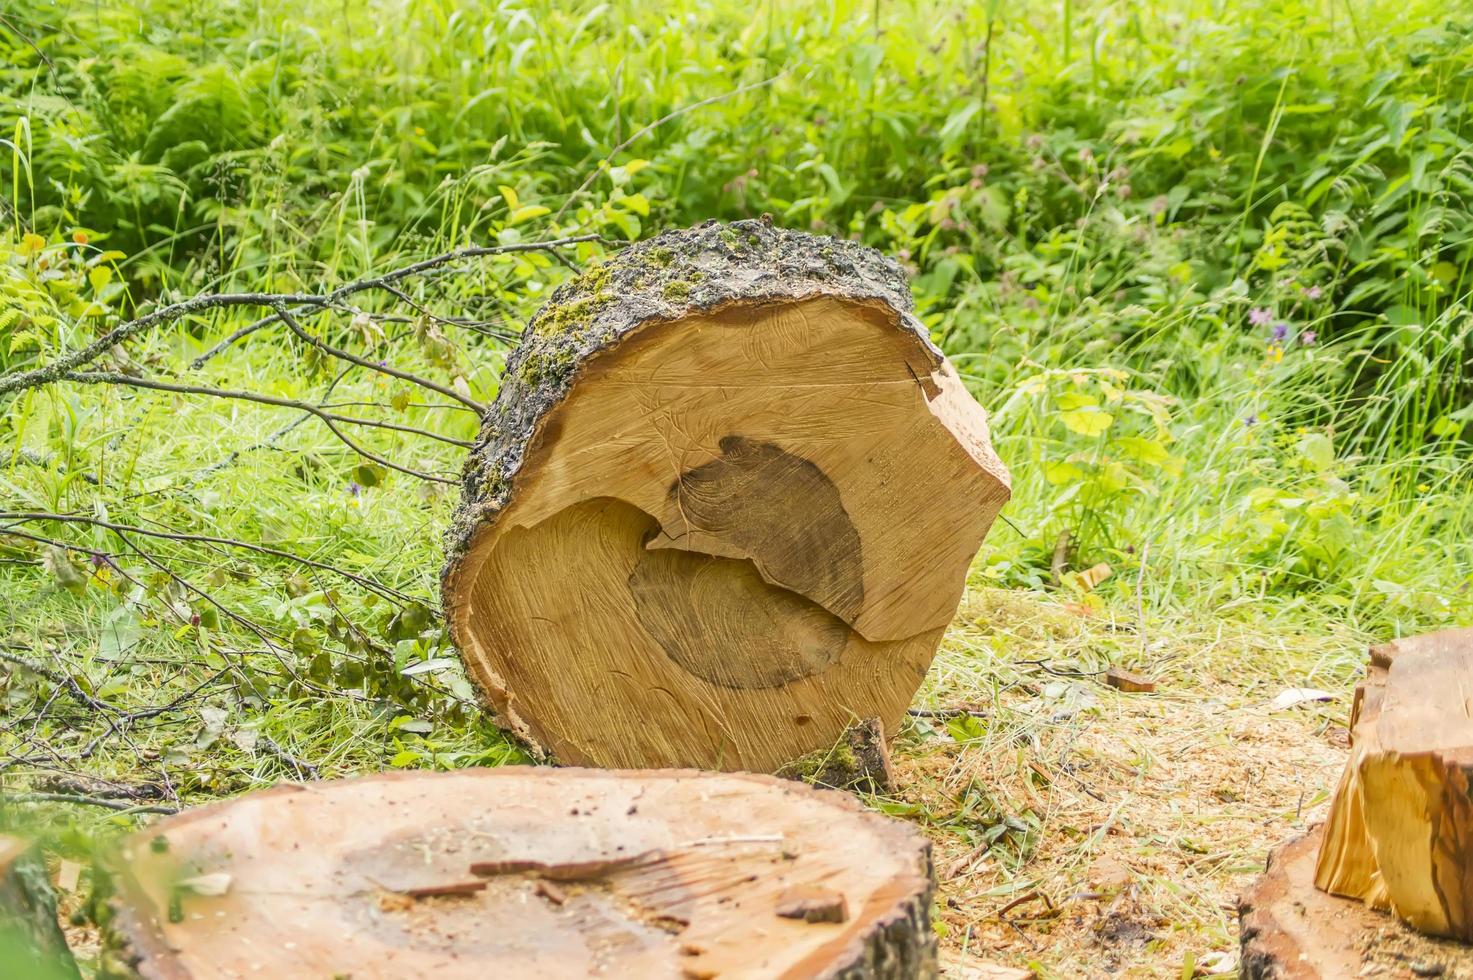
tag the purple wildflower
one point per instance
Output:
(354, 489)
(1281, 331)
(1250, 419)
(1259, 316)
(1307, 338)
(1313, 292)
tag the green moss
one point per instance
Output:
(563, 317)
(493, 485)
(595, 279)
(731, 239)
(826, 766)
(661, 256)
(675, 289)
(545, 364)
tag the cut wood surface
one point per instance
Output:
(1291, 930)
(722, 508)
(529, 872)
(1400, 830)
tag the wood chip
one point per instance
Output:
(568, 870)
(959, 967)
(448, 888)
(1108, 873)
(67, 875)
(1291, 696)
(551, 892)
(1130, 683)
(812, 903)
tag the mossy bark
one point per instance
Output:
(859, 762)
(679, 272)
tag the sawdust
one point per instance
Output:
(1135, 818)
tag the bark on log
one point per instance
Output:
(722, 508)
(31, 941)
(1400, 830)
(529, 872)
(1291, 930)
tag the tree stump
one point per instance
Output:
(31, 941)
(723, 505)
(1400, 830)
(1290, 930)
(528, 872)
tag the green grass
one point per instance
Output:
(1207, 264)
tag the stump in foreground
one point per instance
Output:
(722, 508)
(1400, 830)
(31, 942)
(1291, 930)
(529, 872)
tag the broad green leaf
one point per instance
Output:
(1318, 449)
(1087, 421)
(527, 212)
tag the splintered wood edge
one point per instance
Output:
(1291, 930)
(899, 945)
(1399, 799)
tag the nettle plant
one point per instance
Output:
(1101, 446)
(48, 289)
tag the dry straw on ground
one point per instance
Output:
(1125, 824)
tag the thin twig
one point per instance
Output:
(49, 373)
(328, 418)
(381, 367)
(946, 713)
(122, 806)
(1140, 608)
(368, 583)
(343, 292)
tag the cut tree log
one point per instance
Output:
(31, 941)
(1400, 831)
(722, 508)
(1291, 930)
(534, 872)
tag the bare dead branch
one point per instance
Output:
(380, 366)
(373, 586)
(335, 298)
(329, 419)
(108, 804)
(47, 374)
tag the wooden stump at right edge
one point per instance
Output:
(1400, 831)
(1290, 930)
